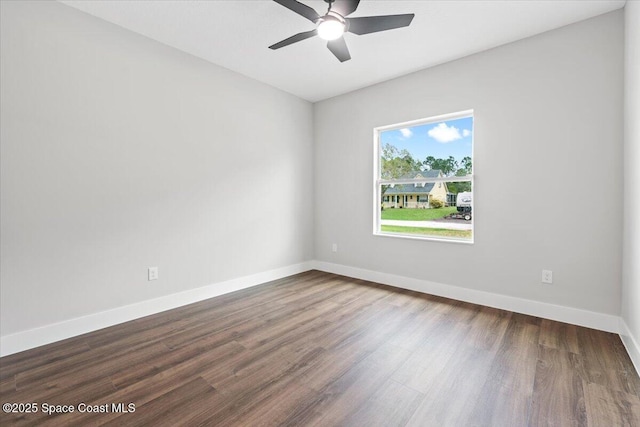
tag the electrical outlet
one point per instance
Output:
(334, 247)
(547, 276)
(153, 273)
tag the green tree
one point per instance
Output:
(465, 169)
(446, 166)
(396, 163)
(466, 165)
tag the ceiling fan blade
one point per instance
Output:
(339, 48)
(373, 24)
(293, 39)
(300, 9)
(345, 7)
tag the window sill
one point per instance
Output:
(425, 238)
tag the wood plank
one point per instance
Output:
(611, 407)
(281, 327)
(558, 393)
(276, 407)
(45, 355)
(80, 372)
(606, 368)
(206, 349)
(450, 396)
(242, 322)
(487, 330)
(628, 375)
(249, 388)
(94, 391)
(506, 396)
(428, 362)
(392, 404)
(176, 407)
(560, 336)
(341, 397)
(7, 386)
(164, 381)
(418, 331)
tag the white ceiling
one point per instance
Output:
(235, 34)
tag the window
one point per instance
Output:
(432, 159)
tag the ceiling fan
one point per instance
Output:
(332, 25)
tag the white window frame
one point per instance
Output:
(378, 182)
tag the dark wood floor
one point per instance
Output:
(320, 349)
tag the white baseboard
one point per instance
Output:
(630, 343)
(575, 316)
(32, 338)
(51, 333)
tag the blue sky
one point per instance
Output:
(439, 139)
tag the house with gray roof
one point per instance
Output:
(417, 195)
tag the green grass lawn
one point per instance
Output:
(417, 214)
(435, 232)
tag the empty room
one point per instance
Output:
(320, 213)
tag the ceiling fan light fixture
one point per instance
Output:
(330, 28)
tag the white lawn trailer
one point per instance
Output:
(463, 206)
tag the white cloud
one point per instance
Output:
(406, 132)
(443, 133)
(466, 132)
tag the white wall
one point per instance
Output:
(548, 165)
(120, 153)
(631, 231)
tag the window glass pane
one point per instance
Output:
(428, 150)
(449, 217)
